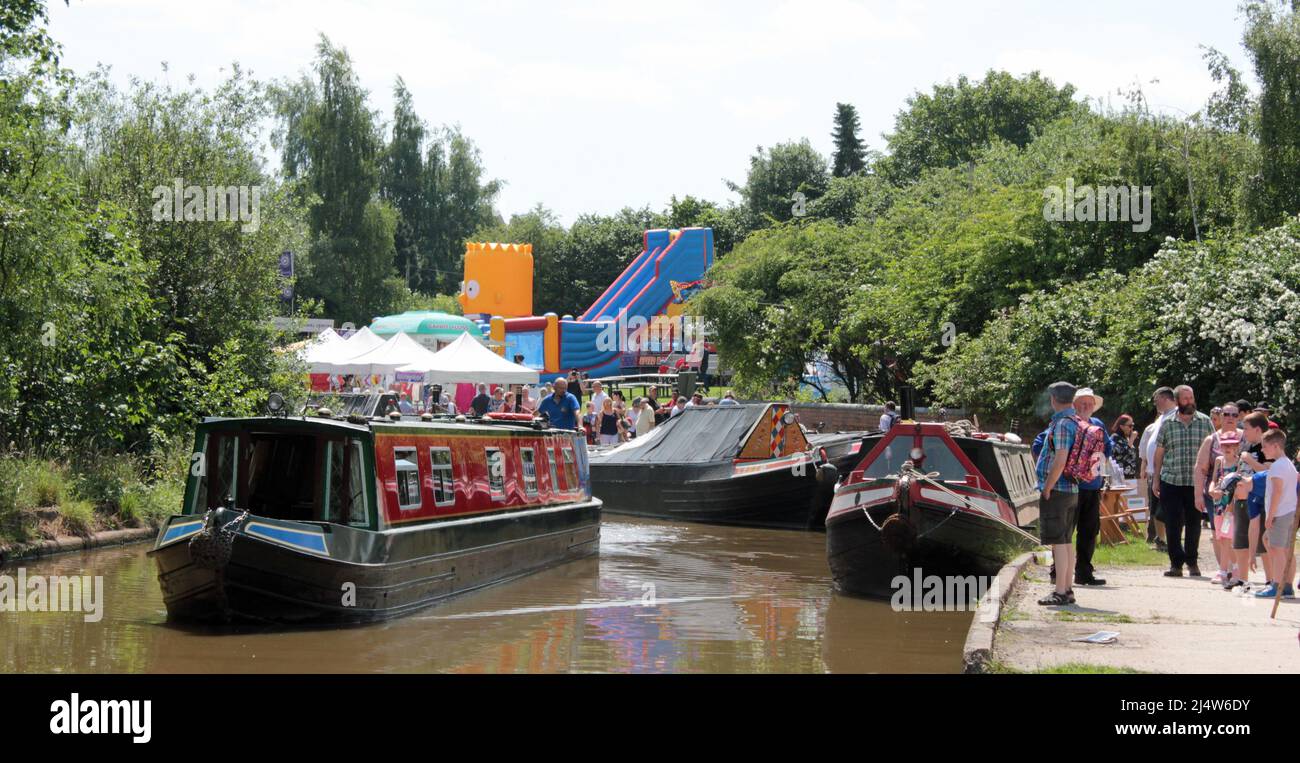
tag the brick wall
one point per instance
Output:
(837, 417)
(848, 417)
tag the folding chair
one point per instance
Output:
(1115, 513)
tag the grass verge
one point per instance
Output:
(1067, 616)
(1065, 667)
(45, 495)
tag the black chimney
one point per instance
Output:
(907, 399)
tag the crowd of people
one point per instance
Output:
(607, 418)
(1227, 472)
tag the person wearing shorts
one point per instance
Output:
(1280, 531)
(1057, 517)
(1255, 502)
(1058, 503)
(1279, 516)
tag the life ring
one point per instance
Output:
(509, 416)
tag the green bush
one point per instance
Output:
(46, 480)
(12, 525)
(131, 504)
(103, 479)
(163, 499)
(139, 491)
(78, 516)
(150, 504)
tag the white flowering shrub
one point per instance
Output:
(1220, 316)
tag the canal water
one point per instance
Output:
(660, 598)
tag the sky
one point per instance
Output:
(591, 107)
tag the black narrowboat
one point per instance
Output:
(924, 498)
(326, 520)
(843, 450)
(747, 464)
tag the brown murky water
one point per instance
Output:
(660, 598)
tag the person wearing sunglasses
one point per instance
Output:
(1123, 441)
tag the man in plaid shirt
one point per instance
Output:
(1175, 464)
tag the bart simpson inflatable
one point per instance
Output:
(498, 280)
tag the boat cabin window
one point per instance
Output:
(570, 468)
(222, 470)
(496, 468)
(282, 475)
(444, 482)
(1013, 467)
(199, 478)
(938, 458)
(345, 485)
(550, 460)
(1030, 475)
(530, 471)
(408, 478)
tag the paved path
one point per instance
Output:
(1166, 625)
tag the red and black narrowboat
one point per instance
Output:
(322, 519)
(925, 498)
(747, 464)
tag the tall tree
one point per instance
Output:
(400, 182)
(777, 304)
(464, 206)
(1272, 39)
(124, 324)
(950, 126)
(776, 175)
(332, 145)
(850, 155)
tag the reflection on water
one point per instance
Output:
(660, 597)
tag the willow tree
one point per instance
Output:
(331, 144)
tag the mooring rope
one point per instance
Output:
(909, 469)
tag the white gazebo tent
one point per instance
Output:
(317, 346)
(466, 360)
(399, 352)
(328, 358)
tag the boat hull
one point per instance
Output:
(863, 562)
(363, 576)
(780, 498)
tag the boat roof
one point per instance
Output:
(378, 424)
(699, 434)
(958, 430)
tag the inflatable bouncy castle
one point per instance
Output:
(634, 323)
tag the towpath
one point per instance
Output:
(1166, 625)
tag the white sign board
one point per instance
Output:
(303, 326)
